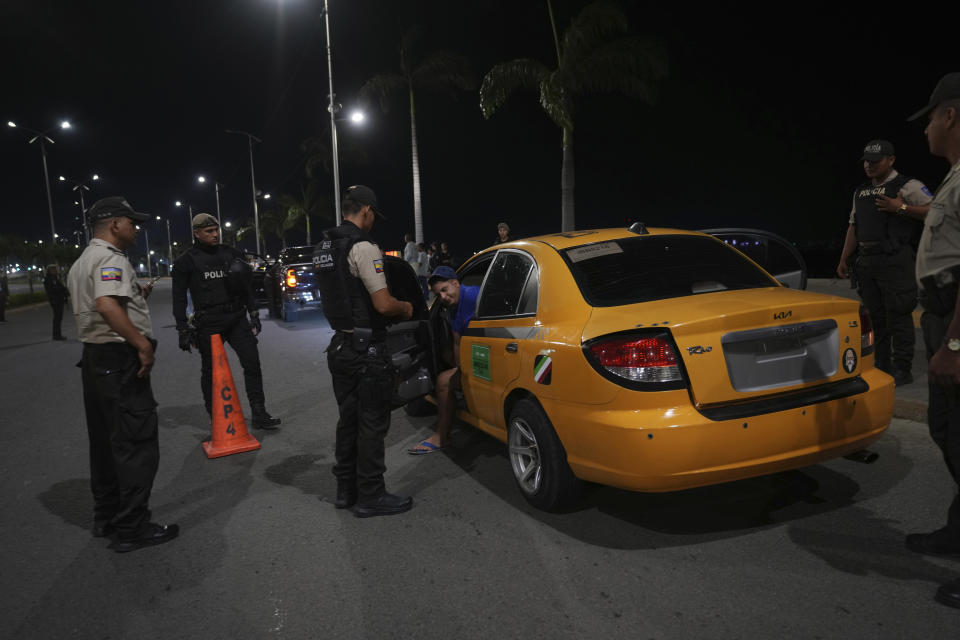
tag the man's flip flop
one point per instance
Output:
(430, 448)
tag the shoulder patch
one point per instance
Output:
(378, 265)
(926, 190)
(111, 273)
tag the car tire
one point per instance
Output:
(419, 407)
(538, 459)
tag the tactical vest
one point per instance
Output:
(210, 278)
(874, 225)
(346, 302)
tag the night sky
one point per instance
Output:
(760, 122)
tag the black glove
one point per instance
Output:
(186, 339)
(255, 321)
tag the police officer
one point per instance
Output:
(938, 271)
(113, 323)
(221, 286)
(57, 295)
(356, 302)
(884, 221)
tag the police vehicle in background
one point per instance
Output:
(289, 284)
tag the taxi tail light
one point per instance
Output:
(866, 332)
(291, 278)
(643, 361)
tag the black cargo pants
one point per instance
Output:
(363, 384)
(888, 287)
(236, 330)
(943, 412)
(122, 428)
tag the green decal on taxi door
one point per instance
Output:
(480, 357)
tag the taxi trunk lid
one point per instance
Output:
(743, 344)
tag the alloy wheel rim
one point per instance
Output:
(525, 456)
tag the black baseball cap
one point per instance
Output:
(114, 207)
(365, 196)
(947, 89)
(877, 149)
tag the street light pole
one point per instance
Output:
(333, 121)
(43, 138)
(216, 191)
(253, 184)
(81, 187)
(189, 219)
(46, 179)
(146, 238)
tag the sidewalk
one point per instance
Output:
(911, 403)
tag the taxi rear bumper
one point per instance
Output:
(660, 441)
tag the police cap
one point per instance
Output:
(876, 150)
(947, 89)
(204, 220)
(364, 195)
(114, 207)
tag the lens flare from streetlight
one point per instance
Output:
(178, 203)
(96, 177)
(357, 117)
(201, 179)
(266, 196)
(65, 124)
(62, 179)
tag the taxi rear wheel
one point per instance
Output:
(538, 459)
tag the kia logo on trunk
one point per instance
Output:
(783, 315)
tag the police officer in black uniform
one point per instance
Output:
(356, 302)
(57, 295)
(885, 222)
(221, 287)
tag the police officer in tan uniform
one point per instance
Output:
(358, 306)
(113, 323)
(887, 214)
(938, 272)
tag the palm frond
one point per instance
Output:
(631, 66)
(444, 71)
(556, 99)
(505, 78)
(597, 23)
(381, 88)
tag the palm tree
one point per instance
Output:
(594, 55)
(443, 71)
(309, 204)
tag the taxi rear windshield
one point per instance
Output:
(296, 254)
(632, 270)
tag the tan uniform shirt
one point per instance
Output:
(940, 243)
(366, 263)
(103, 270)
(914, 193)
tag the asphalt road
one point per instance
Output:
(814, 553)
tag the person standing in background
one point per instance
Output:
(57, 295)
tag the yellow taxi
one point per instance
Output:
(658, 360)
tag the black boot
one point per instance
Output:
(346, 494)
(262, 419)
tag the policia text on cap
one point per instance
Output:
(221, 286)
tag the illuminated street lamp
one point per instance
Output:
(169, 245)
(190, 219)
(43, 138)
(216, 189)
(81, 187)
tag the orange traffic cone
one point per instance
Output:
(229, 428)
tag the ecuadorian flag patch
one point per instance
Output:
(111, 273)
(378, 265)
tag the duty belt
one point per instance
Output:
(871, 247)
(223, 307)
(942, 279)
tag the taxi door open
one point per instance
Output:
(490, 347)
